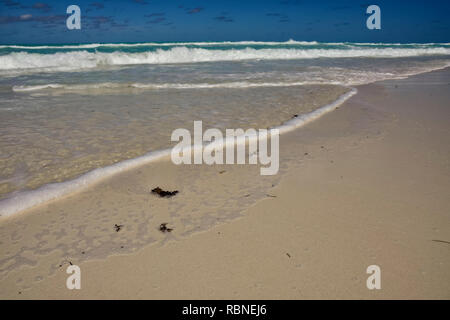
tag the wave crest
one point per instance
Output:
(74, 60)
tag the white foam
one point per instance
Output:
(37, 87)
(330, 76)
(137, 85)
(76, 60)
(28, 199)
(208, 44)
(304, 119)
(162, 44)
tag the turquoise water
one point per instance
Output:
(154, 46)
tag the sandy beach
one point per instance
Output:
(367, 184)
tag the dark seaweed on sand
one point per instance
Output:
(163, 228)
(162, 193)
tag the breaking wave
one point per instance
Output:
(158, 44)
(75, 60)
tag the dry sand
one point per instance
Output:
(366, 184)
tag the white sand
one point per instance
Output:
(373, 189)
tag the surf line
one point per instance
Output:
(28, 199)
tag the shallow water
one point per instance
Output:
(67, 110)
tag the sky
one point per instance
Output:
(44, 21)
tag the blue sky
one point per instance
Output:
(44, 21)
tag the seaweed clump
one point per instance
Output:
(163, 228)
(162, 193)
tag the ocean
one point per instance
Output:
(72, 114)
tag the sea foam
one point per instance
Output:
(75, 60)
(28, 199)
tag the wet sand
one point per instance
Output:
(364, 185)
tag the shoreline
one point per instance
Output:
(29, 199)
(24, 200)
(18, 202)
(349, 196)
